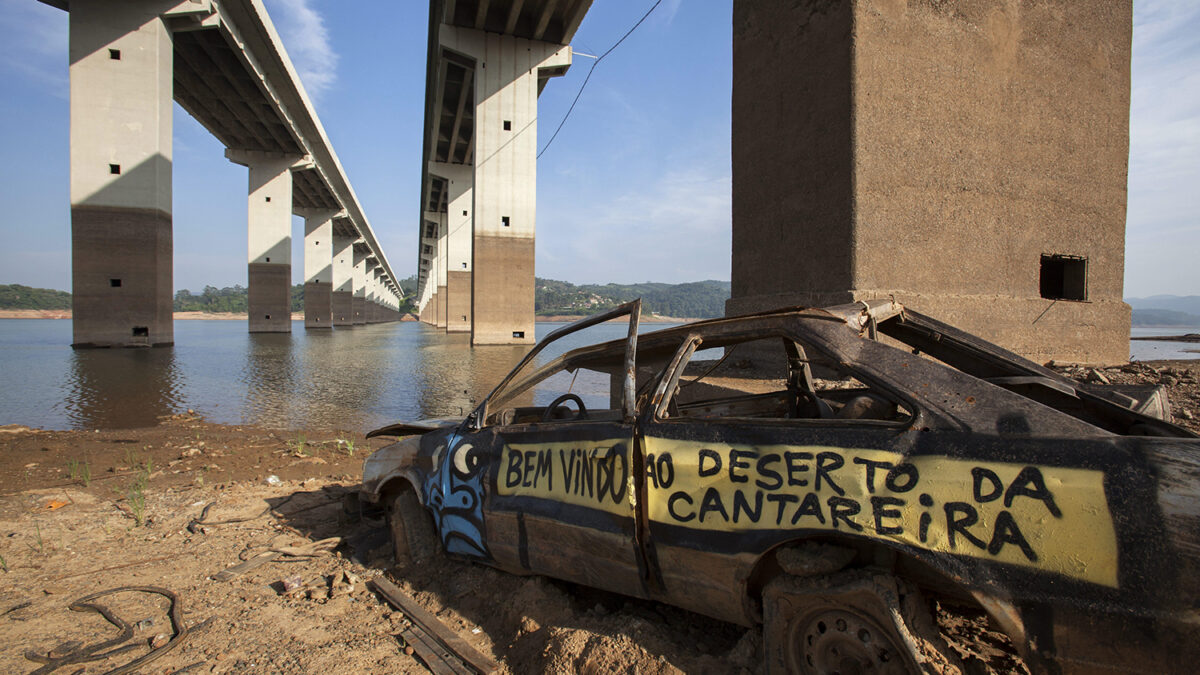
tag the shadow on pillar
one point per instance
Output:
(342, 304)
(121, 267)
(318, 305)
(270, 298)
(360, 311)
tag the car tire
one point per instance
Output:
(853, 621)
(414, 539)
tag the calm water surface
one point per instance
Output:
(354, 379)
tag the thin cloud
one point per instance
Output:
(33, 44)
(302, 29)
(1164, 137)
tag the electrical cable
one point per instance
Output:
(589, 75)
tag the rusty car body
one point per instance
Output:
(881, 459)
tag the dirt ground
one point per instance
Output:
(83, 512)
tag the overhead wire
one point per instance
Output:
(589, 75)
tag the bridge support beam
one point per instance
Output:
(343, 281)
(121, 62)
(990, 194)
(269, 228)
(506, 81)
(318, 268)
(459, 242)
(359, 273)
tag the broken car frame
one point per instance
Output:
(890, 460)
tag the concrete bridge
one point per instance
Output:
(224, 63)
(488, 62)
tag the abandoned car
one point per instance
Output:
(829, 473)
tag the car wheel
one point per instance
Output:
(850, 623)
(414, 539)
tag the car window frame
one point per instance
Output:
(669, 380)
(476, 421)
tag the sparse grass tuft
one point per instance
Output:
(302, 448)
(3, 564)
(80, 471)
(136, 495)
(347, 443)
(41, 542)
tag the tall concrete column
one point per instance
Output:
(443, 264)
(318, 268)
(121, 70)
(507, 72)
(369, 296)
(343, 281)
(460, 234)
(967, 158)
(269, 228)
(359, 301)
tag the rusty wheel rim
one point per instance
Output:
(839, 642)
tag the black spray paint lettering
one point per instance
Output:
(987, 487)
(773, 473)
(710, 463)
(597, 473)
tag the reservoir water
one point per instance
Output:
(353, 379)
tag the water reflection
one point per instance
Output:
(341, 379)
(453, 377)
(121, 388)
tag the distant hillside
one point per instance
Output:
(698, 299)
(1164, 317)
(16, 296)
(1175, 303)
(233, 299)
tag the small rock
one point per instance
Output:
(159, 640)
(408, 650)
(273, 480)
(1097, 377)
(1186, 414)
(1169, 380)
(291, 583)
(191, 412)
(190, 452)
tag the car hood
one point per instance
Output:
(417, 427)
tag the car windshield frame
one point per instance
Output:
(506, 387)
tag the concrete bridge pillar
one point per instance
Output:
(459, 242)
(343, 281)
(359, 274)
(318, 267)
(121, 65)
(968, 159)
(506, 81)
(372, 290)
(269, 227)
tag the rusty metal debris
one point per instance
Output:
(440, 648)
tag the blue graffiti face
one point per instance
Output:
(455, 495)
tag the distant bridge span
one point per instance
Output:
(226, 66)
(488, 61)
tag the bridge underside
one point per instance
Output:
(488, 61)
(225, 66)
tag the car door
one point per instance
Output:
(559, 495)
(749, 461)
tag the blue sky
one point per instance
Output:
(635, 188)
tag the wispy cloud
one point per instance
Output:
(33, 43)
(674, 230)
(1164, 145)
(302, 29)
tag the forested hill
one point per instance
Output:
(16, 296)
(694, 300)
